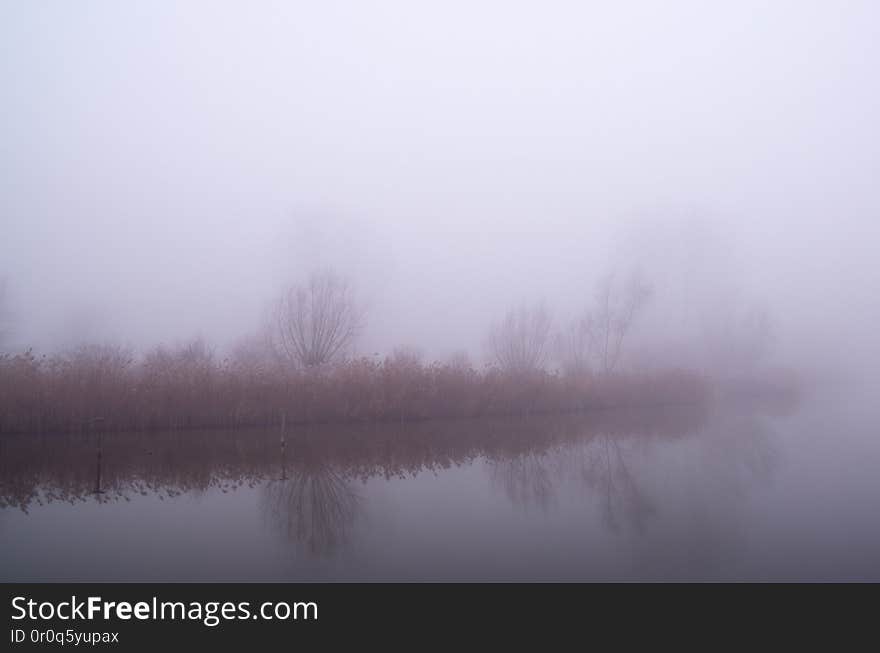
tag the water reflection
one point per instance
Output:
(747, 440)
(526, 479)
(312, 504)
(604, 466)
(605, 470)
(307, 481)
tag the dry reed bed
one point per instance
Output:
(103, 388)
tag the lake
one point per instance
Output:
(729, 492)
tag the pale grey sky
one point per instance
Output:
(166, 166)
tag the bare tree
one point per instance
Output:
(617, 307)
(576, 345)
(519, 342)
(5, 312)
(315, 323)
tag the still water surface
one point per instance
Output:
(745, 492)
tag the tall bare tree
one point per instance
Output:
(5, 313)
(617, 306)
(519, 343)
(576, 345)
(315, 323)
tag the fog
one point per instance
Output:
(167, 167)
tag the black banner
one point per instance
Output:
(150, 616)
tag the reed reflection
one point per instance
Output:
(306, 478)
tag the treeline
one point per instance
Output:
(104, 388)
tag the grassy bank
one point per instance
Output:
(104, 389)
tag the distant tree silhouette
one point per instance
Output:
(617, 306)
(519, 343)
(5, 312)
(576, 345)
(317, 322)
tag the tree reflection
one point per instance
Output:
(739, 449)
(606, 472)
(525, 479)
(315, 506)
(608, 462)
(306, 480)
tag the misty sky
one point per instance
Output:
(166, 166)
